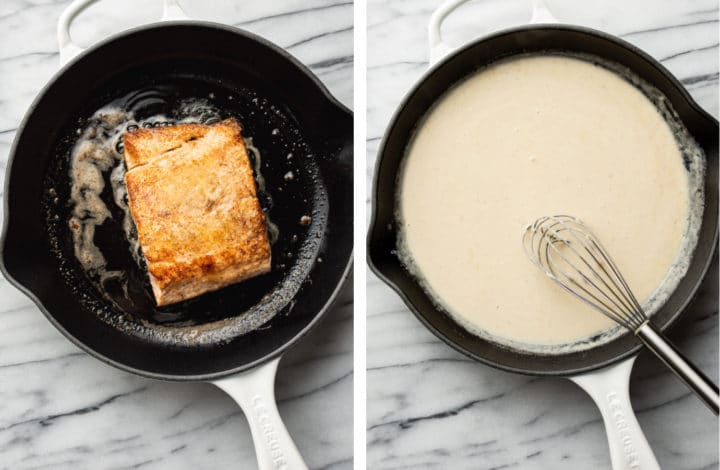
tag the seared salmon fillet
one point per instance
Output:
(192, 196)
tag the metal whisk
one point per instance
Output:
(568, 252)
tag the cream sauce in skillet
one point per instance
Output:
(545, 135)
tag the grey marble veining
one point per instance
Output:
(430, 407)
(60, 408)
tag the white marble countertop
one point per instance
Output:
(60, 408)
(431, 407)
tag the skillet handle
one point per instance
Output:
(610, 390)
(439, 49)
(68, 49)
(254, 391)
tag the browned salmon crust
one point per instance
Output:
(192, 196)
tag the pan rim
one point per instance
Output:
(199, 24)
(6, 226)
(374, 222)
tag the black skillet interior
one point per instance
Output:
(383, 230)
(281, 106)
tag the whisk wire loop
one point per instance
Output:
(572, 256)
(568, 252)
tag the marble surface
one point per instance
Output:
(430, 407)
(60, 408)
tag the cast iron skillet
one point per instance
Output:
(601, 371)
(282, 106)
(200, 57)
(383, 233)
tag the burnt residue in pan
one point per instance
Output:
(90, 231)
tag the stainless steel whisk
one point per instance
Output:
(568, 252)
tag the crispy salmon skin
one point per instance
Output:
(192, 196)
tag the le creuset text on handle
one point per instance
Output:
(610, 389)
(254, 391)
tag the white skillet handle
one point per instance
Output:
(439, 49)
(610, 389)
(68, 49)
(254, 391)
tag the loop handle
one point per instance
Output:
(439, 49)
(68, 49)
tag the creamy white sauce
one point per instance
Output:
(544, 135)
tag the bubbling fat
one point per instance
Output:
(540, 135)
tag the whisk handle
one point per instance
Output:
(693, 378)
